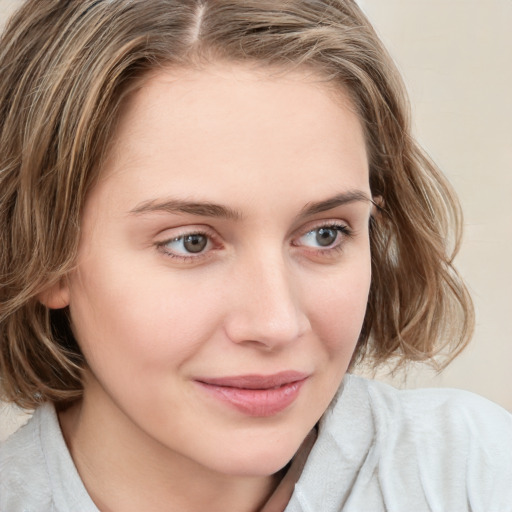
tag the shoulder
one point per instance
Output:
(427, 449)
(24, 480)
(448, 419)
(446, 411)
(458, 444)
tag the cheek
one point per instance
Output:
(137, 321)
(338, 307)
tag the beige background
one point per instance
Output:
(456, 57)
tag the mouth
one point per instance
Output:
(256, 395)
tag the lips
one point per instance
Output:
(255, 395)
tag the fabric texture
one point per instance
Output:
(378, 449)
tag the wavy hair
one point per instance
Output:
(66, 68)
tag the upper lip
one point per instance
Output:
(254, 381)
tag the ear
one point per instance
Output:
(378, 205)
(56, 296)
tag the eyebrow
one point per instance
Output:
(203, 209)
(351, 196)
(208, 209)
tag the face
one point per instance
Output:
(224, 265)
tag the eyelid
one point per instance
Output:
(343, 226)
(178, 233)
(344, 233)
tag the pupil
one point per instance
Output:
(326, 236)
(195, 243)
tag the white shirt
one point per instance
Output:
(378, 449)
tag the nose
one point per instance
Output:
(267, 306)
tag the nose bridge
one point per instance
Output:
(267, 307)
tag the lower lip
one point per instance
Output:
(256, 402)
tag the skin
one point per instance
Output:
(262, 297)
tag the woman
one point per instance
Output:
(211, 211)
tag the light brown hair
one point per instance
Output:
(65, 68)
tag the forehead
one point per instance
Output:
(236, 126)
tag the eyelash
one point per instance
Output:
(338, 246)
(342, 229)
(211, 238)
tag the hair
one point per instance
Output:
(66, 67)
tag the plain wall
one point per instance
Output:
(456, 58)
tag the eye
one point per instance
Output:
(187, 245)
(193, 243)
(324, 237)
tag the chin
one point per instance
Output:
(263, 460)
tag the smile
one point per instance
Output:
(256, 395)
